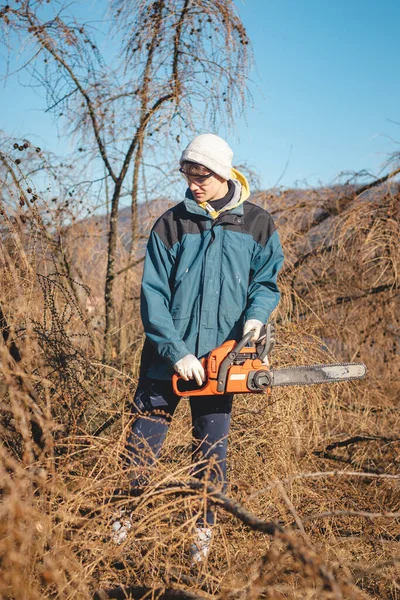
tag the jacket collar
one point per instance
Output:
(193, 207)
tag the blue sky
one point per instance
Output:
(326, 91)
(329, 87)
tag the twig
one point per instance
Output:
(294, 512)
(138, 592)
(355, 440)
(334, 457)
(9, 342)
(368, 569)
(351, 513)
(361, 535)
(320, 474)
(376, 290)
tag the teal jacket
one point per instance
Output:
(204, 277)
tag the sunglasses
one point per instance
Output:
(196, 179)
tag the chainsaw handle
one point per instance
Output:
(182, 387)
(243, 342)
(267, 334)
(226, 363)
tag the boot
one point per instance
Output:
(121, 527)
(201, 546)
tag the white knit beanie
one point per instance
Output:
(210, 151)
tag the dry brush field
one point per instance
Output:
(312, 509)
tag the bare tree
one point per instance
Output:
(169, 67)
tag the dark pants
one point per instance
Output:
(155, 404)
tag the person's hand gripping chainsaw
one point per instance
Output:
(255, 325)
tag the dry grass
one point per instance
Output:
(318, 467)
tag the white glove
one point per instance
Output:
(189, 367)
(256, 325)
(253, 324)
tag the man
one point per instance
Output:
(209, 275)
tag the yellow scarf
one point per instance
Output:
(245, 193)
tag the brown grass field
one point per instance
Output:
(312, 509)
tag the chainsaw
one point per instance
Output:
(236, 368)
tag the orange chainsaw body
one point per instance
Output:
(236, 377)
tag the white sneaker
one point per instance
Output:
(201, 546)
(120, 528)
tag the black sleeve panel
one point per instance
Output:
(177, 221)
(258, 223)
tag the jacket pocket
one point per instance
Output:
(186, 319)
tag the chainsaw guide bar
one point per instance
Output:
(309, 375)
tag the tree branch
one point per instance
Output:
(49, 45)
(377, 182)
(177, 43)
(130, 265)
(355, 440)
(371, 291)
